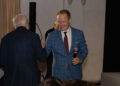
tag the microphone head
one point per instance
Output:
(75, 52)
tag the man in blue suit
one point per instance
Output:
(19, 51)
(66, 67)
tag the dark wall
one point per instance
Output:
(112, 37)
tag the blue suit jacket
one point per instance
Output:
(18, 53)
(61, 59)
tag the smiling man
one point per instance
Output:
(62, 43)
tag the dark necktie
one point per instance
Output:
(66, 42)
(66, 46)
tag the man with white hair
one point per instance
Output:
(19, 51)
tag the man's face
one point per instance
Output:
(63, 21)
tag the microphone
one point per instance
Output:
(75, 52)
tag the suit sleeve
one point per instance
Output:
(83, 48)
(40, 52)
(3, 53)
(49, 44)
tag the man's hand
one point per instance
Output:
(76, 61)
(1, 73)
(43, 44)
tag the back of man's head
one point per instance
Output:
(20, 20)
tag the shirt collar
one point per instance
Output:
(68, 30)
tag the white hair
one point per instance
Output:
(20, 21)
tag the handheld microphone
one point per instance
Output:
(75, 52)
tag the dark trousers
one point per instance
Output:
(49, 65)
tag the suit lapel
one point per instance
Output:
(62, 43)
(72, 40)
(60, 40)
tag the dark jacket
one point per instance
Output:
(19, 51)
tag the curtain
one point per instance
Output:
(8, 9)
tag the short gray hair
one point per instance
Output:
(16, 20)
